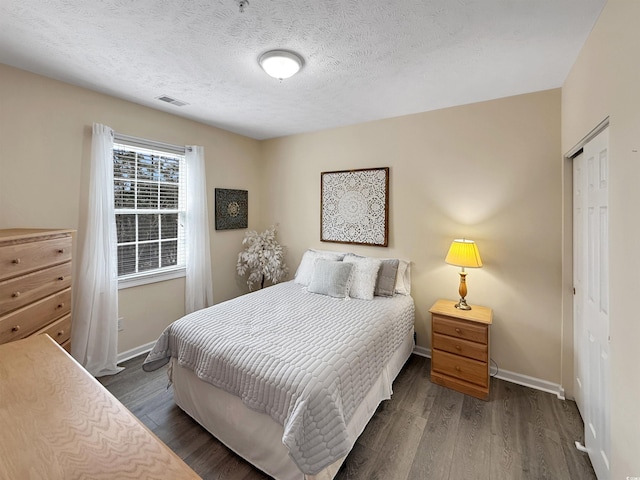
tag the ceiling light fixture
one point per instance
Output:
(242, 4)
(280, 64)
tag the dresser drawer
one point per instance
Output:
(27, 320)
(460, 329)
(60, 330)
(460, 367)
(20, 291)
(17, 259)
(458, 346)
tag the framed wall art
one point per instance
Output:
(354, 206)
(232, 207)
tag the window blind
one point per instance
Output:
(150, 205)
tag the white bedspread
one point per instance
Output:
(306, 360)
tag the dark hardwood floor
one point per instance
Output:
(424, 432)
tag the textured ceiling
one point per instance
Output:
(364, 60)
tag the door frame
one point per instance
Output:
(567, 348)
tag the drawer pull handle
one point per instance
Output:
(457, 330)
(60, 278)
(15, 294)
(15, 261)
(457, 347)
(61, 304)
(60, 333)
(457, 368)
(60, 250)
(16, 328)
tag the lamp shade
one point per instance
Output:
(464, 253)
(280, 64)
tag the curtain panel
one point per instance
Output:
(94, 341)
(198, 284)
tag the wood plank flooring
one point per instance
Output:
(424, 432)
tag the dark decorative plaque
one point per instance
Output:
(232, 208)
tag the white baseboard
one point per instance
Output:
(134, 352)
(422, 351)
(512, 377)
(531, 382)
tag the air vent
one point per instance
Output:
(171, 100)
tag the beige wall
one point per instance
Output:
(45, 138)
(605, 81)
(489, 171)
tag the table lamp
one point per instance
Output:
(463, 253)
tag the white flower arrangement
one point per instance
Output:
(263, 257)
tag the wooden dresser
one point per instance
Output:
(35, 284)
(59, 423)
(460, 348)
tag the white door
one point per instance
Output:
(591, 276)
(579, 266)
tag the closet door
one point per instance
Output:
(591, 276)
(580, 337)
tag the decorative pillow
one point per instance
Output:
(365, 276)
(386, 282)
(305, 269)
(331, 278)
(403, 279)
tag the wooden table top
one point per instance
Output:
(477, 313)
(58, 422)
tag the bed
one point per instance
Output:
(287, 377)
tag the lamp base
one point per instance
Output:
(462, 305)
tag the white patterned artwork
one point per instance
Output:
(355, 206)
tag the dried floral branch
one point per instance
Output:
(263, 258)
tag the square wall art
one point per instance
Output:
(354, 206)
(232, 208)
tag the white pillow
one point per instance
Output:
(305, 269)
(331, 278)
(403, 279)
(365, 276)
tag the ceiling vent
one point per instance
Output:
(171, 100)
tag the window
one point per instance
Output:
(149, 194)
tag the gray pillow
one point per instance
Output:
(386, 282)
(331, 278)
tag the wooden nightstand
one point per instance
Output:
(460, 348)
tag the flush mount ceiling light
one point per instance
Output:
(280, 64)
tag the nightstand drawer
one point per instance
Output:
(460, 329)
(460, 367)
(458, 346)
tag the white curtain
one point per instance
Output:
(198, 285)
(95, 297)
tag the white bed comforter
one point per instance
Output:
(306, 360)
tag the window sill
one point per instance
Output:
(152, 277)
